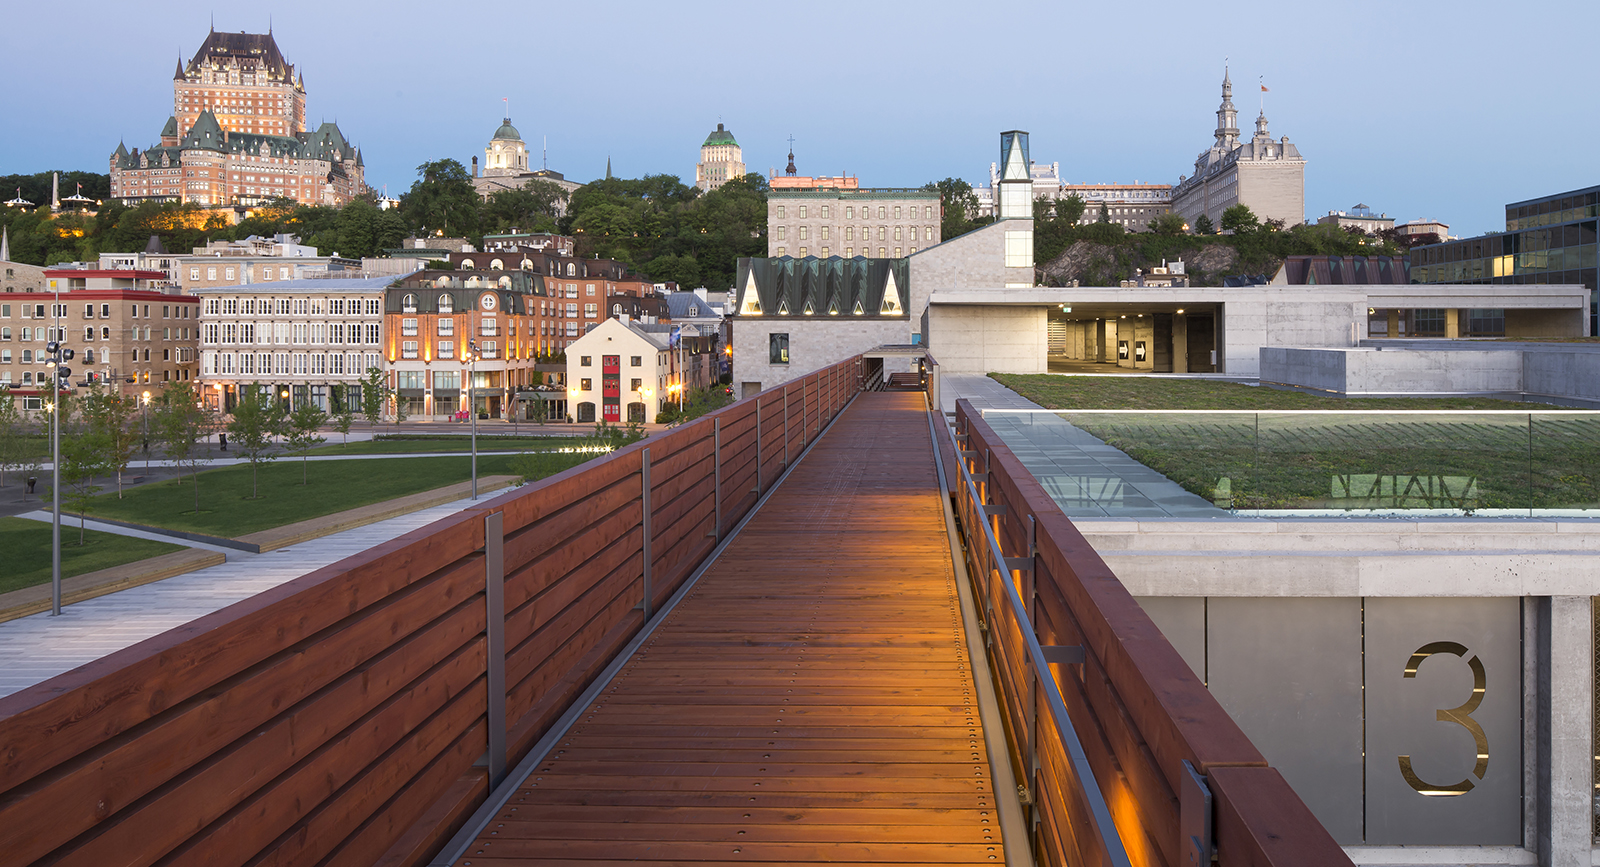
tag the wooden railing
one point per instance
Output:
(359, 714)
(1179, 780)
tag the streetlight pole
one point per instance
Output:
(145, 399)
(472, 405)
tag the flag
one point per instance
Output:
(1264, 89)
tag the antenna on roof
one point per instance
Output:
(544, 154)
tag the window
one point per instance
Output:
(585, 361)
(447, 327)
(447, 349)
(783, 233)
(805, 233)
(781, 214)
(447, 304)
(194, 273)
(408, 349)
(586, 384)
(824, 233)
(408, 327)
(88, 333)
(636, 361)
(635, 384)
(778, 348)
(824, 212)
(372, 333)
(590, 290)
(880, 212)
(802, 212)
(591, 311)
(408, 304)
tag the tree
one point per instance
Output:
(111, 415)
(531, 208)
(1168, 224)
(1105, 213)
(399, 408)
(1204, 226)
(1239, 219)
(343, 412)
(301, 435)
(181, 424)
(442, 199)
(1070, 209)
(84, 455)
(14, 442)
(958, 207)
(372, 394)
(256, 421)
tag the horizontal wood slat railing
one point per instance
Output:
(1138, 711)
(358, 714)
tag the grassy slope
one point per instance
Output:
(25, 548)
(1143, 392)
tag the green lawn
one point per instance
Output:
(25, 546)
(437, 444)
(335, 486)
(1145, 392)
(1356, 460)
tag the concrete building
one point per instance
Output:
(238, 136)
(1423, 228)
(301, 336)
(1264, 174)
(124, 332)
(619, 372)
(790, 316)
(16, 276)
(1359, 217)
(505, 167)
(721, 160)
(1550, 239)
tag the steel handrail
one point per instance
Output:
(1101, 824)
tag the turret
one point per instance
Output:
(1227, 116)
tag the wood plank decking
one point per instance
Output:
(810, 701)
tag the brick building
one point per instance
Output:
(124, 332)
(237, 136)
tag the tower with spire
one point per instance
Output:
(1265, 175)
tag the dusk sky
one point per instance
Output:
(1441, 110)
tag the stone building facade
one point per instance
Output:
(1264, 174)
(505, 167)
(238, 137)
(1133, 206)
(301, 336)
(878, 223)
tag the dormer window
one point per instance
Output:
(408, 304)
(447, 304)
(694, 311)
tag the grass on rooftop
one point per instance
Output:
(1146, 392)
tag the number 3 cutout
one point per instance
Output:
(1461, 716)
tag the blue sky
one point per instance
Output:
(1441, 110)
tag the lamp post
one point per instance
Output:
(59, 374)
(144, 399)
(472, 407)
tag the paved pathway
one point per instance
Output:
(1086, 477)
(38, 647)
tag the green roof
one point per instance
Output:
(719, 136)
(507, 131)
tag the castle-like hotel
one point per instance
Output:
(238, 136)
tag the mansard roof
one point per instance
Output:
(206, 134)
(785, 287)
(171, 127)
(719, 136)
(244, 49)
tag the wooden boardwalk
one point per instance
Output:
(810, 701)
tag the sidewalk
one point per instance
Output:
(37, 647)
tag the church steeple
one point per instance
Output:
(1227, 116)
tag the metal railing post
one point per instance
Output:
(644, 472)
(494, 593)
(716, 466)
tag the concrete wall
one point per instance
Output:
(1282, 321)
(981, 340)
(1546, 323)
(1372, 371)
(975, 260)
(1548, 370)
(812, 344)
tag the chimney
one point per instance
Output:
(474, 166)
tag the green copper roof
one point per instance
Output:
(719, 136)
(507, 131)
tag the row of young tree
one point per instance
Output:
(103, 432)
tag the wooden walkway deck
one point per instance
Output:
(810, 701)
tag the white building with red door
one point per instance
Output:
(617, 373)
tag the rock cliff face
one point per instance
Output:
(1095, 264)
